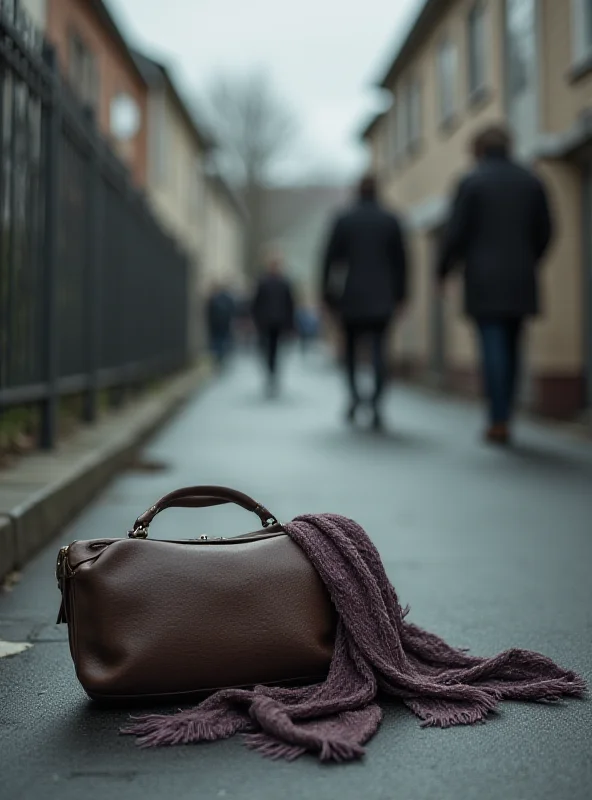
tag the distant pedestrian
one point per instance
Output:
(364, 282)
(220, 316)
(307, 325)
(273, 314)
(499, 230)
(243, 321)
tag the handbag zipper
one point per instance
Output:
(63, 569)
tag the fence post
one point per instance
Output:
(52, 133)
(92, 289)
(120, 392)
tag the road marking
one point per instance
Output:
(13, 648)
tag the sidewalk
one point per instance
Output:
(44, 490)
(491, 549)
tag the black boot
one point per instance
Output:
(352, 410)
(377, 421)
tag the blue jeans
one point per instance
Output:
(220, 344)
(354, 333)
(500, 350)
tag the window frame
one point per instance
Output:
(392, 151)
(414, 99)
(478, 85)
(83, 70)
(159, 140)
(401, 124)
(447, 113)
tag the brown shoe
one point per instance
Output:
(498, 434)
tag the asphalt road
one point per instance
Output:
(492, 549)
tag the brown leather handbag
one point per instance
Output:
(149, 618)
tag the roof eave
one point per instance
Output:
(367, 131)
(106, 18)
(426, 13)
(157, 76)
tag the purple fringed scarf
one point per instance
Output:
(375, 650)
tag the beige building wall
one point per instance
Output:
(194, 207)
(176, 172)
(558, 350)
(419, 185)
(564, 96)
(556, 339)
(224, 230)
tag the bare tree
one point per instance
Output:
(254, 129)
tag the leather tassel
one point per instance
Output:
(62, 614)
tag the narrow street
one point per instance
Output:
(491, 549)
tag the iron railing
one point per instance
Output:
(93, 294)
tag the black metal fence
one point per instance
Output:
(93, 294)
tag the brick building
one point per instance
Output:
(101, 70)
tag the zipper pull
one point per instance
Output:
(60, 565)
(60, 576)
(62, 614)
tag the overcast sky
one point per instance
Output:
(323, 56)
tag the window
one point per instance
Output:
(392, 131)
(477, 42)
(401, 123)
(125, 117)
(522, 59)
(582, 22)
(196, 188)
(159, 139)
(82, 71)
(447, 60)
(414, 116)
(405, 119)
(521, 45)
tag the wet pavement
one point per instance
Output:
(492, 549)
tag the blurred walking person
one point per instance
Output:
(307, 326)
(500, 228)
(220, 316)
(364, 282)
(273, 314)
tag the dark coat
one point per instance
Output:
(367, 243)
(500, 228)
(273, 306)
(220, 313)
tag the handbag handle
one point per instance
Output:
(200, 497)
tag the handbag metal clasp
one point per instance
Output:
(138, 533)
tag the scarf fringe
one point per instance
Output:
(272, 748)
(157, 730)
(327, 749)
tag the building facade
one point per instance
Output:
(195, 207)
(224, 246)
(102, 72)
(177, 154)
(463, 64)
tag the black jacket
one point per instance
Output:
(220, 313)
(367, 243)
(273, 306)
(500, 228)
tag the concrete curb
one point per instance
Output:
(32, 511)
